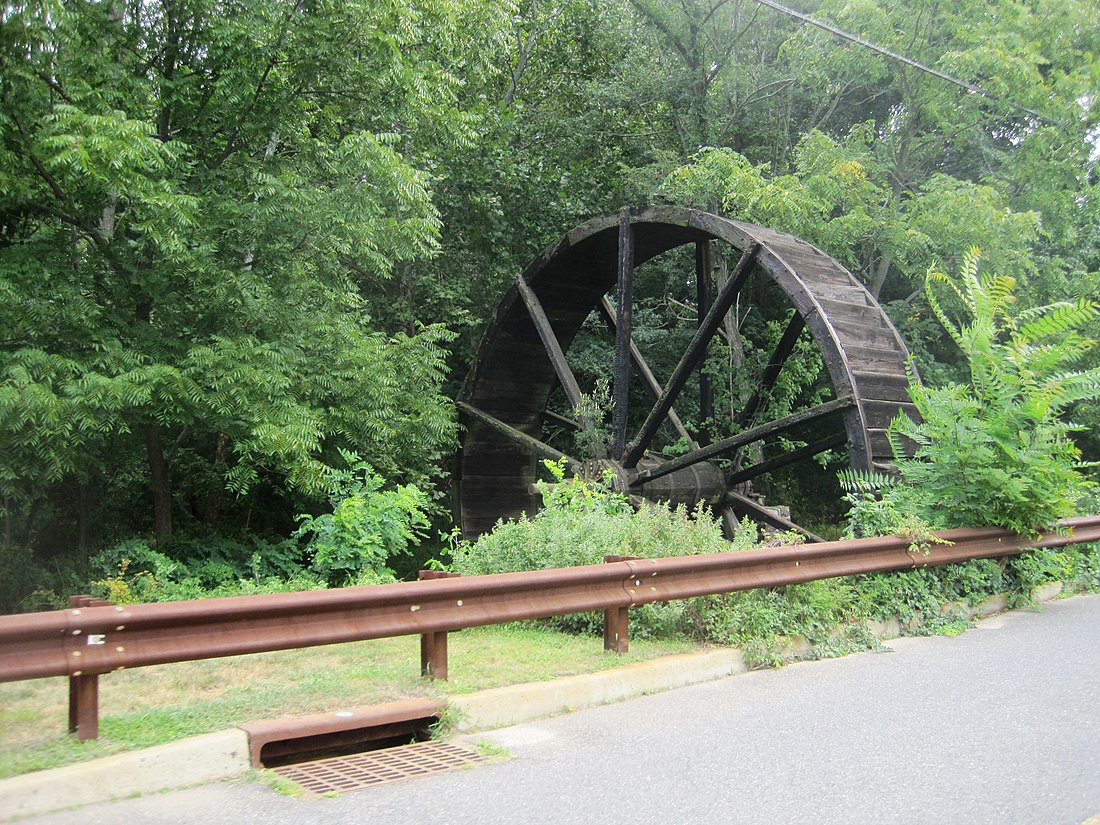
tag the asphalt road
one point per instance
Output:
(998, 725)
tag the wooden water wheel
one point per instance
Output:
(522, 361)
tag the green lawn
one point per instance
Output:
(153, 705)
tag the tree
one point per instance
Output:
(198, 201)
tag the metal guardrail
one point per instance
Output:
(85, 641)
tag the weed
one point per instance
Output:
(280, 784)
(489, 748)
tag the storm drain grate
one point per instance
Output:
(343, 774)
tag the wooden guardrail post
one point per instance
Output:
(84, 688)
(433, 646)
(616, 620)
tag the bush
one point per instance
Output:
(997, 451)
(582, 521)
(368, 526)
(133, 571)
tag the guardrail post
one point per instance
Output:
(433, 646)
(616, 629)
(616, 620)
(84, 706)
(84, 688)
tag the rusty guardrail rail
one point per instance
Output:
(85, 641)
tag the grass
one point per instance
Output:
(154, 705)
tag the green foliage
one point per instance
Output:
(201, 234)
(1041, 566)
(133, 571)
(840, 197)
(997, 451)
(578, 528)
(578, 496)
(882, 506)
(367, 528)
(594, 437)
(219, 266)
(583, 521)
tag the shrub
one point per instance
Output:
(997, 451)
(582, 521)
(133, 571)
(367, 527)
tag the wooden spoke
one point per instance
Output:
(529, 442)
(729, 520)
(727, 445)
(756, 512)
(691, 357)
(801, 453)
(704, 298)
(550, 342)
(572, 424)
(782, 352)
(624, 324)
(649, 380)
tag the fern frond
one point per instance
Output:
(938, 310)
(968, 274)
(1000, 289)
(1061, 318)
(865, 481)
(1078, 386)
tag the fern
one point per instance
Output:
(865, 481)
(997, 451)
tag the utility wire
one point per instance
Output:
(973, 88)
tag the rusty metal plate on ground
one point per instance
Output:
(343, 774)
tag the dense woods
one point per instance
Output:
(247, 248)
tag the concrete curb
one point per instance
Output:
(192, 761)
(512, 704)
(223, 755)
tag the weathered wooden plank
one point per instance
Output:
(814, 269)
(501, 392)
(879, 414)
(879, 443)
(848, 293)
(870, 358)
(881, 392)
(856, 312)
(870, 332)
(499, 464)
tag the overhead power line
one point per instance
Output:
(973, 88)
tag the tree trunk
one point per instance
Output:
(212, 509)
(161, 483)
(7, 523)
(83, 517)
(406, 286)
